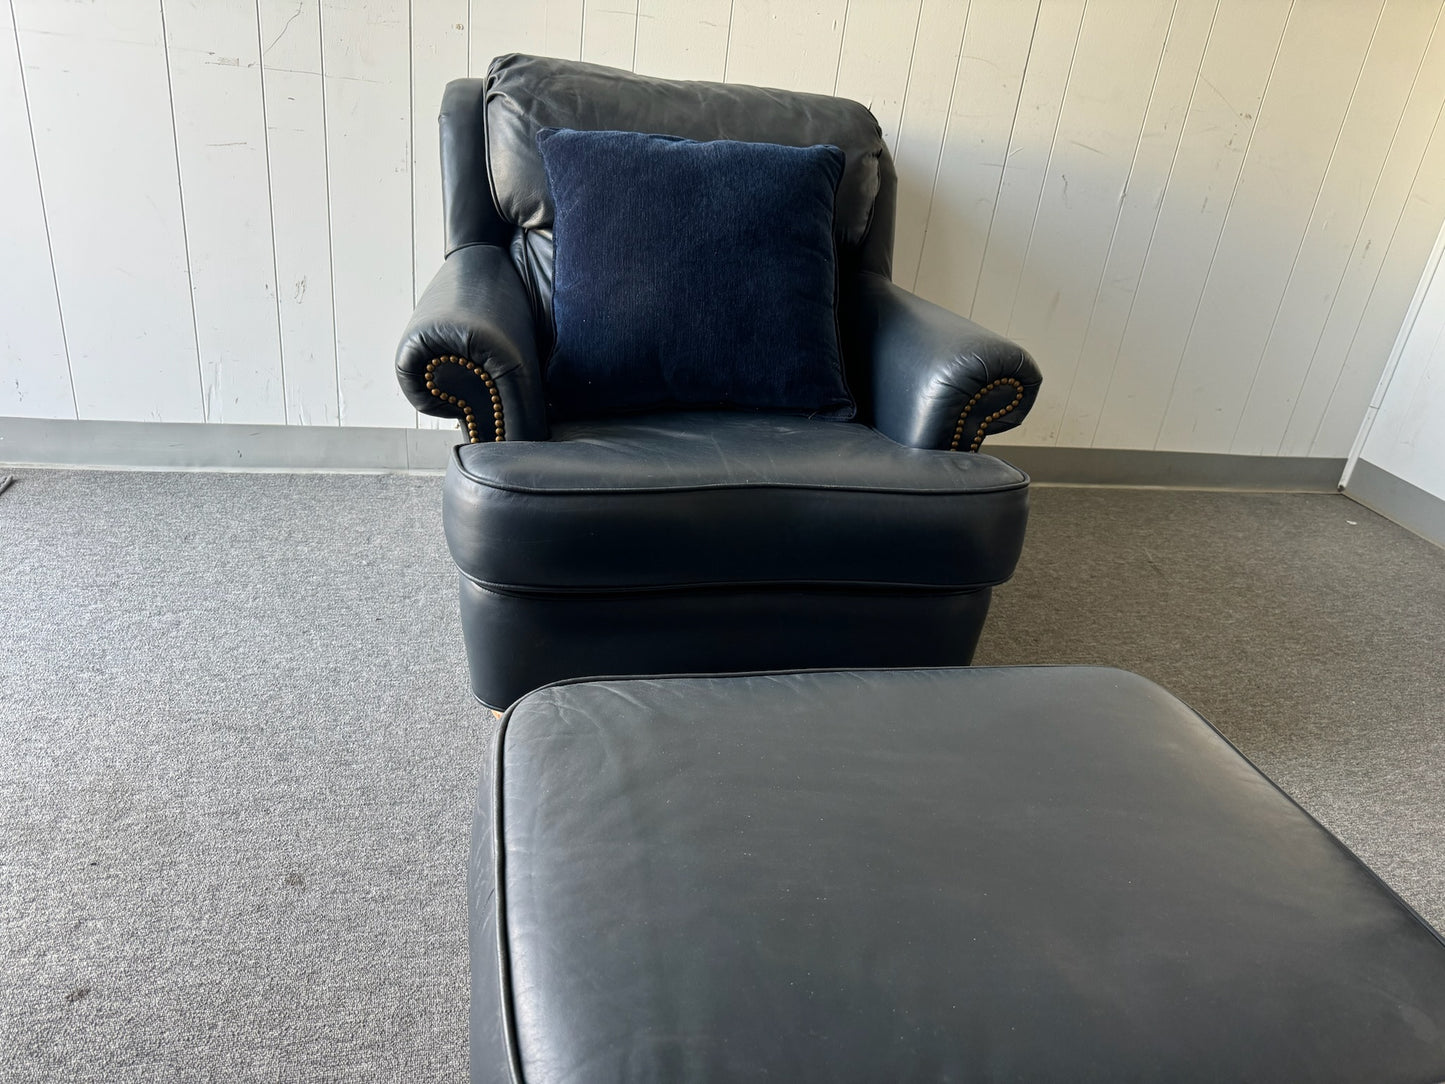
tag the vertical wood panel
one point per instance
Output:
(985, 100)
(367, 81)
(1046, 81)
(1060, 178)
(1335, 220)
(1299, 122)
(1114, 63)
(1374, 336)
(213, 47)
(786, 44)
(1403, 435)
(561, 27)
(1373, 291)
(936, 50)
(874, 61)
(683, 41)
(296, 142)
(1231, 81)
(540, 27)
(438, 55)
(34, 370)
(1138, 215)
(101, 114)
(609, 32)
(1422, 326)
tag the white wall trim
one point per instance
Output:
(177, 446)
(1396, 499)
(221, 447)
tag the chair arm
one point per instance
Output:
(470, 349)
(938, 380)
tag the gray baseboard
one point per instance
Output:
(1394, 498)
(1177, 470)
(188, 446)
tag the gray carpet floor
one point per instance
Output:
(237, 753)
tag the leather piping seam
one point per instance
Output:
(499, 896)
(997, 414)
(469, 416)
(1013, 485)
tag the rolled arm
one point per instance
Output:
(938, 380)
(470, 349)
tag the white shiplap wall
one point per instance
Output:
(1207, 220)
(1404, 433)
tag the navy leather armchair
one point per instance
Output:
(703, 541)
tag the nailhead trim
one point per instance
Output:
(995, 416)
(468, 415)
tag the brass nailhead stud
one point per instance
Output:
(983, 426)
(468, 414)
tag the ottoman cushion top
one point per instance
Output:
(1001, 874)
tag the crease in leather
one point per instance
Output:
(539, 253)
(518, 250)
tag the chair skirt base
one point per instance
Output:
(519, 642)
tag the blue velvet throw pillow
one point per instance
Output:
(692, 275)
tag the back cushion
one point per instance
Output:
(526, 94)
(690, 274)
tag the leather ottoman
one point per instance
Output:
(961, 874)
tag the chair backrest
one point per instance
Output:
(495, 188)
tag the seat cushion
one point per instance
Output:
(991, 874)
(692, 274)
(698, 499)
